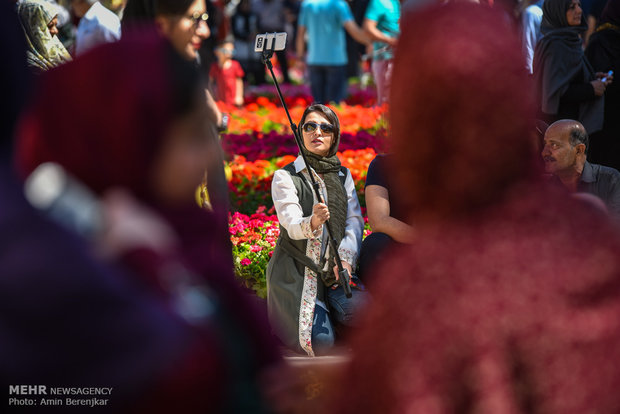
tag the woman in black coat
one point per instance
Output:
(568, 86)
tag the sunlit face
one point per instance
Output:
(187, 32)
(318, 141)
(182, 160)
(52, 26)
(573, 14)
(558, 153)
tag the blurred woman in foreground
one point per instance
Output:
(508, 301)
(142, 151)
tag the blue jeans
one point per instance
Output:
(343, 311)
(322, 331)
(328, 83)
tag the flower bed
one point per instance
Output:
(261, 146)
(264, 116)
(253, 238)
(300, 95)
(250, 181)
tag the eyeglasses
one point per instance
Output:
(312, 126)
(198, 17)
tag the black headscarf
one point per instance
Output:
(558, 58)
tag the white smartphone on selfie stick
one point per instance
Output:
(266, 40)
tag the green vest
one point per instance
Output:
(286, 268)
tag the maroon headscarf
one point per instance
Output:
(465, 110)
(509, 299)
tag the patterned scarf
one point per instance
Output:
(44, 50)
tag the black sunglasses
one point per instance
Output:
(312, 126)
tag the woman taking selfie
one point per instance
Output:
(304, 306)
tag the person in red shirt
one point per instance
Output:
(226, 75)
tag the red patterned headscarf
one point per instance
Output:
(460, 111)
(508, 301)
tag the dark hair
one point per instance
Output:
(187, 90)
(331, 117)
(172, 7)
(140, 12)
(137, 12)
(578, 135)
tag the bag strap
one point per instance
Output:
(301, 257)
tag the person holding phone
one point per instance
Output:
(303, 297)
(603, 51)
(568, 86)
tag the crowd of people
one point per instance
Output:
(332, 39)
(493, 269)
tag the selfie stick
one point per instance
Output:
(343, 274)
